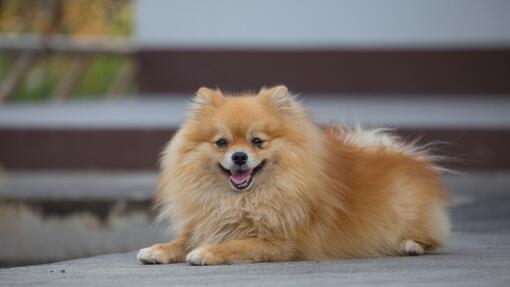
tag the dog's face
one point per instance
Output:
(240, 139)
(240, 161)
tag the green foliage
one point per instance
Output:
(47, 72)
(74, 18)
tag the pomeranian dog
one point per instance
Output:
(251, 178)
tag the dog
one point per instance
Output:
(251, 178)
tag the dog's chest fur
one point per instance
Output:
(237, 220)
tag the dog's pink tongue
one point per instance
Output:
(240, 176)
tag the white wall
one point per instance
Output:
(322, 24)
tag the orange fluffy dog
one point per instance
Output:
(251, 178)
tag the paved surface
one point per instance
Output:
(478, 255)
(382, 110)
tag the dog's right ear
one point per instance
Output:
(206, 99)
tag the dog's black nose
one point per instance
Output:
(239, 157)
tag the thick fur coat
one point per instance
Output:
(297, 192)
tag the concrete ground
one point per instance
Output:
(478, 254)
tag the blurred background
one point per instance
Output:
(90, 92)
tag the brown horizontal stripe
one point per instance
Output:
(448, 71)
(75, 149)
(132, 149)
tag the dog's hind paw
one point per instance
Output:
(411, 248)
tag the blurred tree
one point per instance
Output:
(75, 17)
(72, 18)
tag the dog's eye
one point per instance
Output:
(221, 143)
(257, 142)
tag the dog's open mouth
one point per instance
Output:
(242, 179)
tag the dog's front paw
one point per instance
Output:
(200, 256)
(149, 255)
(159, 254)
(205, 255)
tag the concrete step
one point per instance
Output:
(130, 134)
(51, 216)
(478, 253)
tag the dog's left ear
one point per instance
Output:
(277, 97)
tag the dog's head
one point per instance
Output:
(242, 140)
